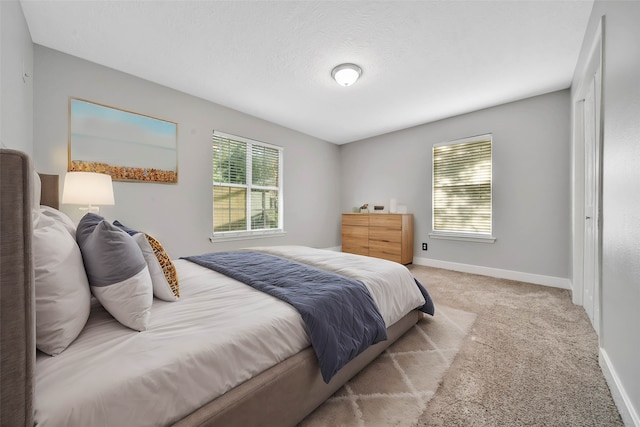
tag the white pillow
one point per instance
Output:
(63, 299)
(36, 187)
(60, 217)
(164, 278)
(117, 271)
(129, 301)
(35, 190)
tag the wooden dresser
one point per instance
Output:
(387, 236)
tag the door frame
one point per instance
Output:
(594, 63)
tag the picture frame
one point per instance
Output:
(126, 145)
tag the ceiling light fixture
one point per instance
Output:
(346, 74)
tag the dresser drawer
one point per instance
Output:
(355, 248)
(386, 221)
(385, 234)
(385, 250)
(361, 220)
(355, 239)
(353, 232)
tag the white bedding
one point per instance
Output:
(218, 335)
(394, 302)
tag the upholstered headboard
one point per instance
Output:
(17, 301)
(49, 193)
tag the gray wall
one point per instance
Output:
(531, 170)
(16, 105)
(180, 216)
(620, 293)
(531, 183)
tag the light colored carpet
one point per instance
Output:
(395, 388)
(531, 358)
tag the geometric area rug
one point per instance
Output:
(395, 388)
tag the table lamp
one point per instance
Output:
(88, 188)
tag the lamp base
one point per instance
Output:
(91, 209)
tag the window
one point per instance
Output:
(462, 189)
(247, 187)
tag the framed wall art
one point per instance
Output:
(128, 146)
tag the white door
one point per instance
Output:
(591, 284)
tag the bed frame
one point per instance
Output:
(280, 396)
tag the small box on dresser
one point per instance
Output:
(387, 236)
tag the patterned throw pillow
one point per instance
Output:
(163, 273)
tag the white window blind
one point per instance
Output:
(462, 186)
(247, 186)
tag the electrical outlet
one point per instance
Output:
(424, 246)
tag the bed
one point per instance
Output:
(248, 361)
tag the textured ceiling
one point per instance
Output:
(421, 60)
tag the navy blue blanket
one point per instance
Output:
(428, 306)
(340, 316)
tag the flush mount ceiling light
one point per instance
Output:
(346, 74)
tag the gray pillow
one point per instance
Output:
(117, 271)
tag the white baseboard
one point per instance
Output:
(538, 279)
(628, 413)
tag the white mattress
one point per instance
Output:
(218, 335)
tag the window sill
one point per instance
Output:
(249, 235)
(463, 237)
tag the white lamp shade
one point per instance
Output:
(346, 74)
(87, 188)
